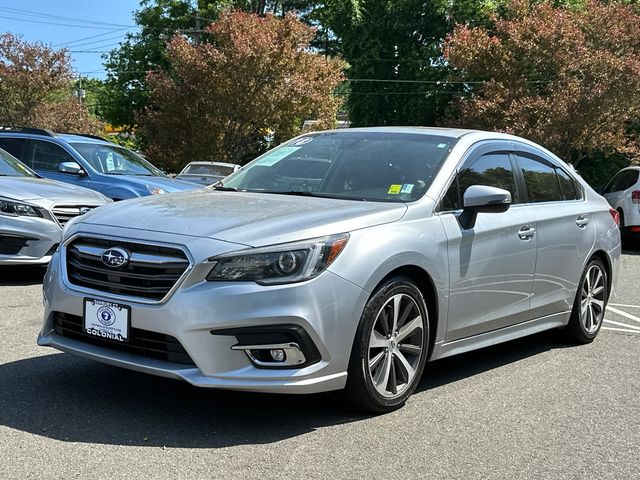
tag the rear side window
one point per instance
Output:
(15, 146)
(493, 170)
(622, 181)
(568, 187)
(541, 180)
(49, 156)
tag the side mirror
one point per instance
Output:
(71, 167)
(482, 198)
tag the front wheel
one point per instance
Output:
(390, 348)
(590, 303)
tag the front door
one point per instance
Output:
(491, 265)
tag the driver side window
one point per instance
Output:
(492, 169)
(49, 156)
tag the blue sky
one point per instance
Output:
(70, 23)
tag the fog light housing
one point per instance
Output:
(277, 355)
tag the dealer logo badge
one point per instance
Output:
(106, 316)
(115, 257)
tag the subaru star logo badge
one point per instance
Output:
(115, 257)
(84, 210)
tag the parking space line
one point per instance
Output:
(624, 314)
(623, 305)
(621, 330)
(631, 327)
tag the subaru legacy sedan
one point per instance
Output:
(33, 212)
(339, 260)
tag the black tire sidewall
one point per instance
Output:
(577, 328)
(359, 382)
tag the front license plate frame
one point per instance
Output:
(106, 320)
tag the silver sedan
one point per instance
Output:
(33, 212)
(341, 259)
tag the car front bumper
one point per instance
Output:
(327, 308)
(40, 237)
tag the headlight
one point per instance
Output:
(286, 263)
(155, 190)
(18, 209)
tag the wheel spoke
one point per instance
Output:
(409, 328)
(375, 361)
(596, 281)
(382, 376)
(583, 307)
(396, 311)
(410, 349)
(597, 290)
(377, 340)
(405, 314)
(588, 281)
(408, 369)
(383, 320)
(598, 303)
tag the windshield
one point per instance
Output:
(10, 166)
(377, 166)
(202, 169)
(115, 160)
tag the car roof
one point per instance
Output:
(49, 135)
(204, 162)
(441, 131)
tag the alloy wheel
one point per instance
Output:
(592, 299)
(395, 345)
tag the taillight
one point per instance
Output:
(616, 215)
(635, 197)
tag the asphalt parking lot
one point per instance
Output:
(532, 408)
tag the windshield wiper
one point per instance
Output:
(222, 188)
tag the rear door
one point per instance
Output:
(565, 230)
(491, 266)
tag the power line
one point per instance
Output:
(30, 13)
(55, 23)
(89, 37)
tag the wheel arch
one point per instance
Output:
(427, 287)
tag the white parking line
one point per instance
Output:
(624, 314)
(620, 330)
(623, 305)
(631, 327)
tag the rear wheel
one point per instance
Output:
(390, 348)
(590, 303)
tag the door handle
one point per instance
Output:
(526, 233)
(582, 221)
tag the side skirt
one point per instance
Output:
(447, 349)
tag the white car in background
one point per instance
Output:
(623, 193)
(34, 210)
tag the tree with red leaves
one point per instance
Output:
(218, 100)
(567, 78)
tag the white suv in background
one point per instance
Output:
(623, 193)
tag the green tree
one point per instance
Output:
(568, 78)
(36, 86)
(219, 100)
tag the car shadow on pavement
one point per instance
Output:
(71, 399)
(21, 275)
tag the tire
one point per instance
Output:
(590, 303)
(386, 365)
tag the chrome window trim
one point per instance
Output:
(99, 294)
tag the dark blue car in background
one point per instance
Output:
(88, 161)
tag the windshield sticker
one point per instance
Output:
(301, 141)
(442, 145)
(277, 155)
(394, 189)
(407, 188)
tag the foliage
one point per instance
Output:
(220, 100)
(36, 86)
(568, 78)
(393, 52)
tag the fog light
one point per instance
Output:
(277, 355)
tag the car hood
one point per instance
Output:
(167, 184)
(43, 192)
(253, 219)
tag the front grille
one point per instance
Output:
(151, 273)
(12, 244)
(141, 342)
(64, 213)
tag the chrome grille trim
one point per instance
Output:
(137, 294)
(64, 213)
